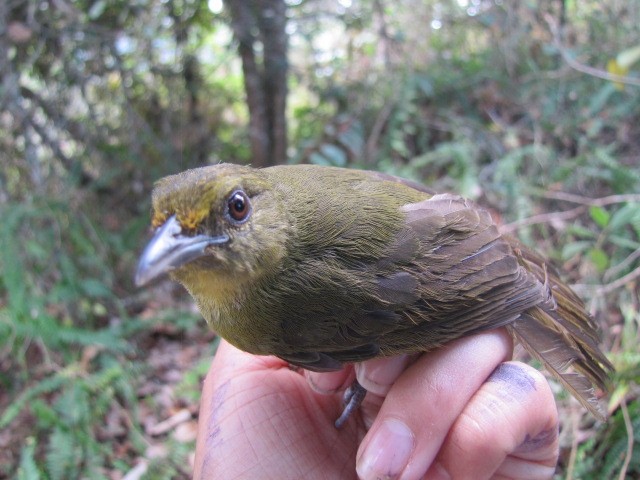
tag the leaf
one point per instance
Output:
(624, 242)
(599, 258)
(628, 57)
(572, 249)
(336, 155)
(23, 400)
(353, 139)
(317, 159)
(624, 216)
(97, 9)
(600, 216)
(617, 396)
(28, 469)
(600, 99)
(62, 455)
(95, 288)
(13, 270)
(580, 232)
(424, 85)
(614, 68)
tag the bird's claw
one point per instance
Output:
(352, 399)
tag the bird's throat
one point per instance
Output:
(208, 286)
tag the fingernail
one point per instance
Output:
(388, 452)
(438, 472)
(327, 383)
(377, 376)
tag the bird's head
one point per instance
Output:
(219, 224)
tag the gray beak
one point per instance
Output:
(169, 249)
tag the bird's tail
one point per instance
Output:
(561, 334)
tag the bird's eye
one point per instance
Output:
(239, 206)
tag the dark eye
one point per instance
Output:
(239, 206)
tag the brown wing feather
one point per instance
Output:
(561, 334)
(472, 278)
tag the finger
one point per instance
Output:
(217, 399)
(259, 416)
(423, 404)
(228, 360)
(225, 418)
(510, 428)
(330, 382)
(378, 375)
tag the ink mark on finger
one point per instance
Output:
(213, 437)
(542, 440)
(513, 376)
(213, 429)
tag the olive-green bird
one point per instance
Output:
(323, 266)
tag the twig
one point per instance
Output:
(613, 271)
(543, 218)
(585, 202)
(376, 131)
(170, 423)
(591, 202)
(599, 290)
(574, 445)
(580, 67)
(629, 426)
(610, 287)
(568, 214)
(138, 471)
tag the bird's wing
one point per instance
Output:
(469, 274)
(476, 279)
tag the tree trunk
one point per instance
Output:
(259, 28)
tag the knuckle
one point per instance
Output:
(474, 435)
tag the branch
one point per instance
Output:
(376, 131)
(584, 202)
(630, 440)
(580, 67)
(613, 271)
(242, 23)
(600, 290)
(272, 21)
(543, 218)
(68, 164)
(76, 129)
(591, 202)
(622, 281)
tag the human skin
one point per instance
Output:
(461, 411)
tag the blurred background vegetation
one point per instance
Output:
(530, 108)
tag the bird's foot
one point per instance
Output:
(352, 399)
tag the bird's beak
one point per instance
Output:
(169, 249)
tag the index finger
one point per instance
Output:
(425, 401)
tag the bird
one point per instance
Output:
(326, 266)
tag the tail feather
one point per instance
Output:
(557, 354)
(562, 336)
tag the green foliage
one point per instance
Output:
(58, 292)
(82, 400)
(603, 456)
(57, 265)
(28, 470)
(191, 385)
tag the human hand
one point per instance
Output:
(461, 411)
